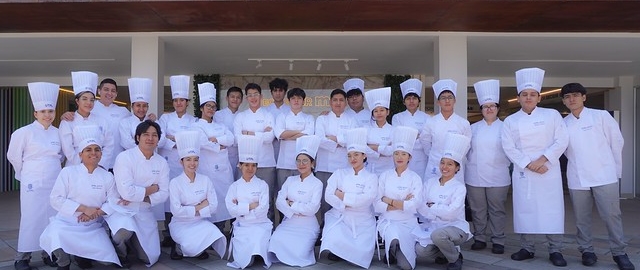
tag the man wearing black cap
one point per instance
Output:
(593, 170)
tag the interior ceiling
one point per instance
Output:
(385, 36)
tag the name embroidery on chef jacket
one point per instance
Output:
(56, 143)
(199, 192)
(538, 123)
(302, 192)
(155, 172)
(97, 186)
(587, 128)
(443, 197)
(256, 194)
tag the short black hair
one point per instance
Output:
(353, 92)
(279, 83)
(572, 88)
(338, 92)
(235, 89)
(296, 92)
(411, 94)
(82, 93)
(445, 91)
(108, 80)
(252, 86)
(144, 126)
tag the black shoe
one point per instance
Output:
(441, 260)
(589, 258)
(67, 267)
(478, 245)
(203, 256)
(174, 254)
(124, 262)
(523, 254)
(22, 265)
(391, 259)
(333, 257)
(623, 262)
(167, 241)
(557, 259)
(84, 263)
(49, 261)
(457, 265)
(497, 249)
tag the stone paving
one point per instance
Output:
(484, 259)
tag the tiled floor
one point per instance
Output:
(9, 218)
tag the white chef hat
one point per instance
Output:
(411, 86)
(487, 91)
(140, 89)
(84, 81)
(404, 139)
(188, 143)
(353, 83)
(179, 86)
(308, 145)
(443, 85)
(248, 148)
(529, 78)
(206, 92)
(456, 146)
(356, 140)
(380, 97)
(44, 95)
(85, 135)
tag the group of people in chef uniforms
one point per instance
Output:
(349, 178)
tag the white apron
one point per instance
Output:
(293, 241)
(249, 239)
(143, 223)
(400, 230)
(350, 235)
(195, 236)
(85, 239)
(538, 202)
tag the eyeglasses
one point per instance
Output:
(303, 161)
(492, 106)
(210, 106)
(446, 98)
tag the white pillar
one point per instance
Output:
(622, 99)
(450, 53)
(147, 61)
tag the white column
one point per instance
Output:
(450, 53)
(622, 99)
(147, 61)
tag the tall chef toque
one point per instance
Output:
(356, 140)
(352, 84)
(44, 95)
(248, 148)
(404, 138)
(380, 97)
(179, 86)
(411, 86)
(140, 89)
(85, 135)
(206, 92)
(84, 81)
(529, 78)
(487, 91)
(444, 85)
(308, 145)
(456, 147)
(188, 143)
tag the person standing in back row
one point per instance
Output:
(595, 165)
(534, 138)
(278, 89)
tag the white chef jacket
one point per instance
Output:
(381, 160)
(36, 156)
(363, 117)
(113, 114)
(433, 137)
(75, 186)
(538, 200)
(289, 121)
(185, 195)
(171, 124)
(71, 151)
(398, 224)
(214, 162)
(305, 195)
(275, 111)
(448, 209)
(487, 164)
(595, 149)
(417, 121)
(331, 155)
(127, 130)
(226, 117)
(257, 122)
(33, 148)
